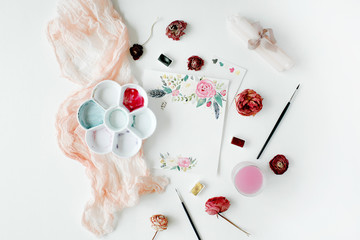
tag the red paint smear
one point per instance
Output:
(132, 99)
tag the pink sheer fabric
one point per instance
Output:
(91, 44)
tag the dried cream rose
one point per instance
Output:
(159, 222)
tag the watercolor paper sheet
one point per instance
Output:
(190, 112)
(222, 68)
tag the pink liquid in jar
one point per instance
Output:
(248, 180)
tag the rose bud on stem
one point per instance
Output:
(137, 50)
(159, 223)
(217, 205)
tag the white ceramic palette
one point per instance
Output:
(116, 118)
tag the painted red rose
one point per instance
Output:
(279, 164)
(195, 63)
(248, 102)
(176, 29)
(159, 222)
(217, 205)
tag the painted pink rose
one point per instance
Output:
(205, 89)
(175, 93)
(183, 162)
(223, 92)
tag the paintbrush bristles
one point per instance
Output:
(294, 92)
(181, 199)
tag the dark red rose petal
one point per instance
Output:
(136, 51)
(279, 164)
(176, 29)
(195, 63)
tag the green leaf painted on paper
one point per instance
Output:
(217, 110)
(200, 102)
(186, 78)
(178, 168)
(178, 87)
(218, 99)
(167, 90)
(173, 168)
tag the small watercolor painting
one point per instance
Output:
(202, 93)
(178, 163)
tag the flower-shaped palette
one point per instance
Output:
(116, 118)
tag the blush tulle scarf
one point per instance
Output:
(90, 41)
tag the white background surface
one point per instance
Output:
(43, 193)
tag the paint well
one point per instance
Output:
(126, 144)
(118, 119)
(90, 114)
(132, 99)
(107, 94)
(143, 123)
(99, 139)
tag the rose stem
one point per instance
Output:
(152, 27)
(248, 234)
(155, 235)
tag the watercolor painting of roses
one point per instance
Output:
(177, 163)
(187, 89)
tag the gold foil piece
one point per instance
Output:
(197, 188)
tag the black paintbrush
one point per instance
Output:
(278, 122)
(187, 214)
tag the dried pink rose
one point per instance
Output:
(248, 102)
(279, 164)
(195, 63)
(176, 29)
(159, 222)
(217, 205)
(205, 89)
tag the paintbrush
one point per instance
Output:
(277, 122)
(187, 214)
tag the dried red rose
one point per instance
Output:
(248, 102)
(217, 205)
(176, 29)
(136, 51)
(195, 63)
(279, 164)
(159, 222)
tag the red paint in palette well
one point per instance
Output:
(132, 99)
